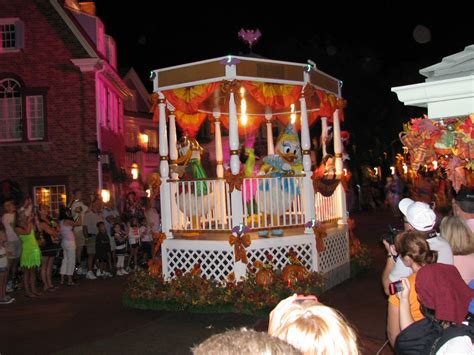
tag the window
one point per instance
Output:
(13, 121)
(10, 111)
(35, 119)
(11, 35)
(50, 195)
(152, 138)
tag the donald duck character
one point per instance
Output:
(276, 197)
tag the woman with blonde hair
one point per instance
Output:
(461, 239)
(312, 328)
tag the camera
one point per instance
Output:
(395, 287)
(391, 235)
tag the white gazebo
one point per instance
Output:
(224, 207)
(448, 90)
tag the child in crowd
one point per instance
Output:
(120, 249)
(134, 241)
(102, 250)
(146, 240)
(4, 299)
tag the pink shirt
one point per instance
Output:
(465, 266)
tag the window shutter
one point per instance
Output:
(19, 35)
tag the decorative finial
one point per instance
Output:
(250, 36)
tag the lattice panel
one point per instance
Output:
(215, 264)
(280, 258)
(336, 253)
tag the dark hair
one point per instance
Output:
(430, 315)
(413, 244)
(99, 223)
(65, 213)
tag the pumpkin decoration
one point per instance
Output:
(264, 277)
(154, 267)
(295, 271)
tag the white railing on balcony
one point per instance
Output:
(273, 202)
(202, 204)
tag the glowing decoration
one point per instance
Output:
(243, 108)
(392, 170)
(144, 138)
(148, 193)
(105, 194)
(134, 171)
(293, 114)
(345, 171)
(250, 36)
(376, 171)
(435, 164)
(405, 168)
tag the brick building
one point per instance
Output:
(61, 100)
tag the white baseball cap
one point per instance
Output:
(418, 214)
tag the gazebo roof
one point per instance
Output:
(243, 68)
(448, 90)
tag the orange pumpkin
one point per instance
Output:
(294, 272)
(264, 277)
(154, 267)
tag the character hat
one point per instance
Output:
(441, 288)
(418, 214)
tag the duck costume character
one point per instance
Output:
(194, 198)
(279, 195)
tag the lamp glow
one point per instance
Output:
(293, 114)
(405, 169)
(435, 164)
(134, 171)
(144, 138)
(105, 194)
(148, 193)
(392, 170)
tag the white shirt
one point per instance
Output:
(445, 256)
(75, 204)
(8, 220)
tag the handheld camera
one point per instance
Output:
(395, 287)
(391, 235)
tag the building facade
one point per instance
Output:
(61, 101)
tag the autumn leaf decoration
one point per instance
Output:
(234, 181)
(319, 234)
(240, 240)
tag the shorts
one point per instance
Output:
(90, 244)
(13, 249)
(80, 240)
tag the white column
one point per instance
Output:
(164, 168)
(221, 209)
(268, 121)
(236, 195)
(308, 193)
(338, 161)
(173, 148)
(324, 131)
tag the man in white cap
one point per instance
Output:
(420, 217)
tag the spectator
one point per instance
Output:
(420, 217)
(31, 253)
(91, 218)
(414, 251)
(68, 243)
(243, 341)
(50, 247)
(463, 205)
(133, 232)
(78, 209)
(312, 328)
(102, 248)
(4, 298)
(13, 244)
(461, 239)
(444, 299)
(111, 216)
(121, 248)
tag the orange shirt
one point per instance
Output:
(413, 298)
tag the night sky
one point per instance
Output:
(371, 48)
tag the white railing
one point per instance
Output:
(202, 204)
(273, 202)
(327, 208)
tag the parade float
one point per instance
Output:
(445, 136)
(220, 229)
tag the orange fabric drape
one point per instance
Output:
(276, 96)
(189, 99)
(327, 105)
(190, 123)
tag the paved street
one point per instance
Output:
(89, 319)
